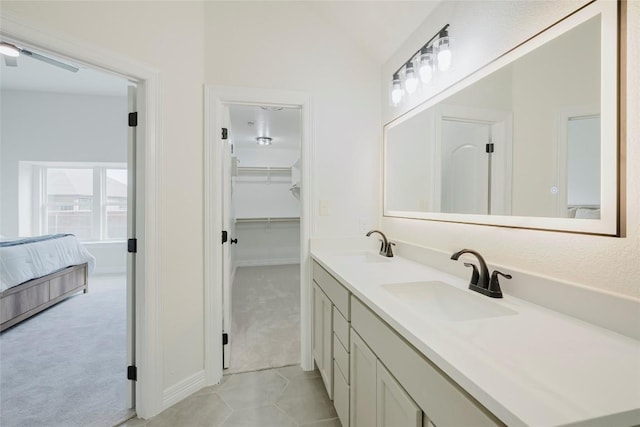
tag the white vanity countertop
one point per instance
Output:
(536, 367)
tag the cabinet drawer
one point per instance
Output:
(444, 402)
(341, 397)
(341, 327)
(337, 293)
(341, 356)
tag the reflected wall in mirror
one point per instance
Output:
(523, 140)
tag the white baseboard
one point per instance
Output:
(265, 262)
(185, 388)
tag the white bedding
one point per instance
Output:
(28, 261)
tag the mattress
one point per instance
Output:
(26, 259)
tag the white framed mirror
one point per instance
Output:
(530, 140)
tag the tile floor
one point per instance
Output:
(280, 397)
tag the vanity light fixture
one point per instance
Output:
(264, 140)
(434, 53)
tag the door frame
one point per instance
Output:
(563, 116)
(214, 98)
(148, 347)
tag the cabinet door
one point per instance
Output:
(323, 337)
(362, 383)
(394, 407)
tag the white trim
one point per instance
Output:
(148, 278)
(182, 389)
(215, 96)
(267, 262)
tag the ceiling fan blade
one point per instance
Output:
(10, 61)
(50, 61)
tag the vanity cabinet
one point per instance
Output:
(417, 379)
(376, 397)
(322, 337)
(331, 315)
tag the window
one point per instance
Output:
(87, 200)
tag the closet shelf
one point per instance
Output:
(263, 170)
(269, 219)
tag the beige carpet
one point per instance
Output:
(265, 318)
(67, 365)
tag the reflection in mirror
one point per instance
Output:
(525, 140)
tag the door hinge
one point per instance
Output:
(489, 147)
(224, 236)
(132, 246)
(132, 373)
(225, 133)
(133, 119)
(225, 339)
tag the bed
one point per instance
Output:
(38, 272)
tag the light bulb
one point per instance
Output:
(9, 49)
(396, 91)
(410, 79)
(444, 51)
(444, 59)
(426, 65)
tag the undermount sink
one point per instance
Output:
(366, 257)
(446, 302)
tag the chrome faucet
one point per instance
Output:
(385, 248)
(480, 281)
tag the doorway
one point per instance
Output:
(75, 189)
(473, 161)
(216, 101)
(261, 212)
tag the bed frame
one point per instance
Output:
(29, 298)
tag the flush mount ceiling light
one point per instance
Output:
(264, 140)
(11, 52)
(434, 55)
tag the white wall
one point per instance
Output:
(286, 46)
(225, 43)
(55, 127)
(152, 33)
(44, 126)
(482, 31)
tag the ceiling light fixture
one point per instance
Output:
(264, 140)
(9, 50)
(434, 53)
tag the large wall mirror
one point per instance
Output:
(530, 140)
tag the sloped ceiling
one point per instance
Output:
(379, 27)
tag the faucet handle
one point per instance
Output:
(475, 275)
(389, 252)
(494, 285)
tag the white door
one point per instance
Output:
(228, 225)
(465, 167)
(131, 234)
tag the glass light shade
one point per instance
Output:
(264, 140)
(396, 91)
(410, 79)
(444, 53)
(9, 49)
(426, 66)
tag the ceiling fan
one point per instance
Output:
(10, 53)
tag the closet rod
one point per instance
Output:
(263, 169)
(269, 219)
